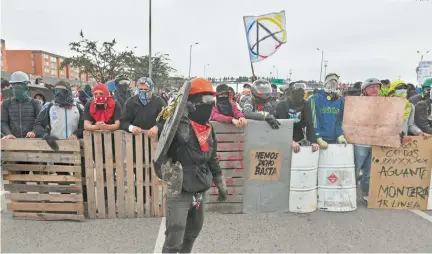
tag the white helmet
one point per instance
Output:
(19, 77)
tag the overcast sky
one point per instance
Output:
(360, 38)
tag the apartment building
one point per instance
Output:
(3, 60)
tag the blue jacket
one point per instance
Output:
(327, 116)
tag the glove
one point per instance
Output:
(274, 123)
(52, 142)
(221, 185)
(322, 144)
(341, 140)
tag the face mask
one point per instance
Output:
(401, 92)
(63, 96)
(144, 96)
(202, 113)
(20, 92)
(100, 106)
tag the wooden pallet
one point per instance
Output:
(109, 195)
(43, 184)
(230, 154)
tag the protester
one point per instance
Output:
(39, 81)
(18, 114)
(327, 112)
(101, 112)
(411, 91)
(274, 96)
(226, 110)
(256, 105)
(85, 94)
(123, 90)
(164, 96)
(194, 148)
(140, 111)
(246, 91)
(362, 152)
(60, 119)
(424, 95)
(423, 113)
(296, 108)
(4, 85)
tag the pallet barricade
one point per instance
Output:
(43, 184)
(230, 154)
(120, 178)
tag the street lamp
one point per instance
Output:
(290, 74)
(422, 54)
(322, 60)
(277, 71)
(205, 69)
(325, 67)
(190, 57)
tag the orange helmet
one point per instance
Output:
(201, 85)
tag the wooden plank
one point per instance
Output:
(118, 136)
(109, 168)
(42, 178)
(130, 196)
(230, 199)
(40, 145)
(100, 191)
(235, 137)
(41, 157)
(139, 175)
(89, 167)
(45, 207)
(41, 168)
(47, 216)
(226, 128)
(232, 190)
(233, 146)
(44, 197)
(43, 188)
(157, 188)
(148, 176)
(229, 173)
(228, 208)
(231, 164)
(230, 156)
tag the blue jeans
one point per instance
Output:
(362, 160)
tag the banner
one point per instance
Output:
(373, 120)
(400, 177)
(265, 34)
(424, 71)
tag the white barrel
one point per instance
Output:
(336, 179)
(303, 187)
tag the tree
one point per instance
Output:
(161, 68)
(100, 60)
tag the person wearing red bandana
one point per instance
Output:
(102, 112)
(194, 148)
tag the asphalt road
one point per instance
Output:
(364, 230)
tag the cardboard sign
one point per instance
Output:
(373, 120)
(400, 177)
(265, 164)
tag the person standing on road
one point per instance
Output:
(327, 112)
(193, 150)
(18, 114)
(424, 95)
(423, 114)
(123, 91)
(85, 94)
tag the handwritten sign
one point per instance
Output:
(265, 164)
(400, 177)
(373, 120)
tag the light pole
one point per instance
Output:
(290, 74)
(190, 57)
(277, 71)
(325, 67)
(422, 54)
(150, 41)
(322, 60)
(205, 69)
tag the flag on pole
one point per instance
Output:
(265, 34)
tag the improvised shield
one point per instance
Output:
(32, 92)
(172, 113)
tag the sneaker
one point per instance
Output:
(364, 198)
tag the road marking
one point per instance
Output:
(423, 215)
(161, 237)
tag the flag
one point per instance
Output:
(265, 34)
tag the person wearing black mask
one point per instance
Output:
(123, 90)
(226, 110)
(85, 95)
(61, 119)
(295, 107)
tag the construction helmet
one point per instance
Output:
(370, 82)
(201, 86)
(19, 77)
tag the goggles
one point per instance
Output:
(207, 99)
(124, 82)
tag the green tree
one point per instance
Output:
(161, 68)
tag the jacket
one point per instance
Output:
(302, 119)
(218, 117)
(416, 98)
(250, 108)
(423, 115)
(84, 96)
(142, 116)
(60, 122)
(199, 167)
(327, 116)
(18, 118)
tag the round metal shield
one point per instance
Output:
(170, 128)
(33, 91)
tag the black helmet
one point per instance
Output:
(261, 89)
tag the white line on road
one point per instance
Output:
(423, 215)
(161, 237)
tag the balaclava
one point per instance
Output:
(145, 96)
(203, 107)
(20, 91)
(223, 102)
(63, 97)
